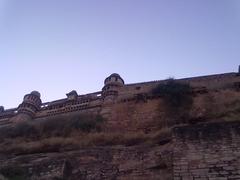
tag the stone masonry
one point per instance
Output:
(207, 152)
(95, 163)
(198, 152)
(113, 98)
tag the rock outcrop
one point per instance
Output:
(119, 162)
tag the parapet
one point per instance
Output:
(72, 95)
(31, 104)
(115, 90)
(114, 79)
(1, 109)
(111, 87)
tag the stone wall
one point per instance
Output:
(115, 163)
(92, 102)
(207, 151)
(133, 116)
(197, 152)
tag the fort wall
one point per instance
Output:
(120, 103)
(207, 151)
(133, 115)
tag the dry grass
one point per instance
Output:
(80, 140)
(217, 106)
(53, 127)
(69, 134)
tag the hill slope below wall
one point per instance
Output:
(118, 162)
(205, 151)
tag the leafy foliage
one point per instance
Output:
(174, 93)
(53, 127)
(178, 99)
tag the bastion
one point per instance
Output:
(207, 146)
(113, 102)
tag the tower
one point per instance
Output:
(111, 87)
(28, 108)
(1, 109)
(72, 95)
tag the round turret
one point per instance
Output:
(111, 87)
(36, 93)
(114, 79)
(1, 109)
(31, 104)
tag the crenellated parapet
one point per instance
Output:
(111, 87)
(114, 91)
(31, 104)
(8, 112)
(1, 109)
(72, 103)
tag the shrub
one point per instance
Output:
(174, 93)
(13, 173)
(65, 126)
(86, 124)
(53, 127)
(23, 129)
(177, 97)
(20, 146)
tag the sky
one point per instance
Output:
(55, 46)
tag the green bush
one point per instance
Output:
(64, 126)
(178, 99)
(23, 129)
(86, 124)
(174, 93)
(53, 127)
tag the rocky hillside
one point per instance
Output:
(116, 162)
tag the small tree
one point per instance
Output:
(177, 97)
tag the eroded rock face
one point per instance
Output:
(205, 151)
(119, 162)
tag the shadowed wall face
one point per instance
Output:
(207, 151)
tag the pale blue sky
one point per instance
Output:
(54, 46)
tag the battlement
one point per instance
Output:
(114, 91)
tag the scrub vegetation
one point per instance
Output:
(178, 99)
(58, 135)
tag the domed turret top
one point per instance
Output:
(36, 93)
(72, 95)
(114, 78)
(115, 74)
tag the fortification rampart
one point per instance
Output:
(207, 151)
(82, 102)
(113, 96)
